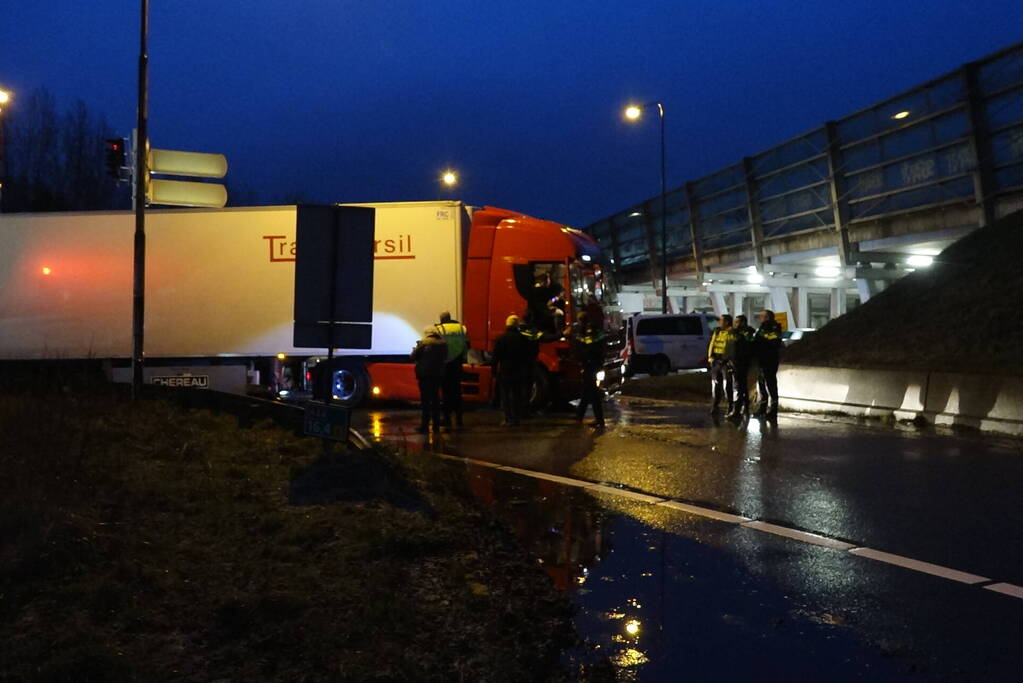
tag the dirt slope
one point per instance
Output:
(962, 314)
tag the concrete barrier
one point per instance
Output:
(986, 402)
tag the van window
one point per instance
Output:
(657, 326)
(690, 325)
(670, 325)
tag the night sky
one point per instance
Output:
(370, 100)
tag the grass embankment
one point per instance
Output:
(155, 543)
(961, 314)
(693, 387)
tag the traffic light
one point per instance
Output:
(116, 157)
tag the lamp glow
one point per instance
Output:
(754, 278)
(376, 391)
(632, 627)
(449, 178)
(5, 97)
(900, 115)
(281, 355)
(826, 271)
(920, 260)
(632, 112)
(46, 270)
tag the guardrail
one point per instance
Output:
(986, 402)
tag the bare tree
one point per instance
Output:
(54, 160)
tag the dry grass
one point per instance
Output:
(153, 543)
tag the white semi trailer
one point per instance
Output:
(220, 295)
(219, 287)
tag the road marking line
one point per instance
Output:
(917, 565)
(1009, 589)
(1006, 589)
(705, 512)
(624, 493)
(567, 481)
(481, 463)
(804, 536)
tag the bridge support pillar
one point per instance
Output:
(780, 301)
(802, 307)
(717, 300)
(869, 288)
(838, 306)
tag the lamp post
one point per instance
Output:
(448, 180)
(633, 113)
(5, 97)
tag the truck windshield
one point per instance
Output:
(595, 291)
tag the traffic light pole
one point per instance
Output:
(140, 175)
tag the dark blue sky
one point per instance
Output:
(370, 100)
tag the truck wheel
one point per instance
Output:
(349, 382)
(539, 390)
(660, 365)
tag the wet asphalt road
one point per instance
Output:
(719, 601)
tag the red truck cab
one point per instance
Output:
(516, 265)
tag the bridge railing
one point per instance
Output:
(955, 139)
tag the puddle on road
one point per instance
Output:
(665, 599)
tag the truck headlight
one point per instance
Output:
(600, 376)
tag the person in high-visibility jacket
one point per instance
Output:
(767, 345)
(720, 357)
(456, 337)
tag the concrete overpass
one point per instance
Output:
(826, 220)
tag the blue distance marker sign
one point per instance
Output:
(326, 421)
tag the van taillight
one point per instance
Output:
(308, 376)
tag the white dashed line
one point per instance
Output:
(796, 534)
(917, 565)
(567, 481)
(624, 493)
(1006, 589)
(1009, 589)
(705, 512)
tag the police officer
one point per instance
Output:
(743, 358)
(720, 355)
(513, 359)
(455, 336)
(589, 346)
(429, 356)
(533, 336)
(767, 345)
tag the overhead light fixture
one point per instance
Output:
(586, 257)
(900, 115)
(754, 278)
(826, 271)
(919, 260)
(634, 214)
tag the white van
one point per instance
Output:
(660, 343)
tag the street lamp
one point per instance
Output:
(634, 112)
(5, 97)
(449, 178)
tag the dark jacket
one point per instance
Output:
(589, 350)
(430, 356)
(744, 344)
(767, 343)
(514, 354)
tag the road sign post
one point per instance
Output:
(333, 294)
(328, 421)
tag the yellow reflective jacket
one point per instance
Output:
(722, 344)
(456, 337)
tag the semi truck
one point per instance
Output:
(220, 289)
